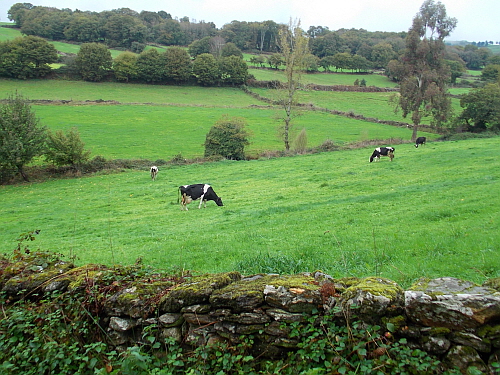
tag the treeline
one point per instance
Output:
(31, 56)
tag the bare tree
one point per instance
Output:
(293, 43)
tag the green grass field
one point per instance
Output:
(434, 211)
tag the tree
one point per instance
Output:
(26, 57)
(206, 69)
(457, 69)
(66, 149)
(125, 66)
(227, 138)
(230, 49)
(199, 46)
(275, 60)
(150, 66)
(233, 70)
(481, 108)
(423, 88)
(93, 61)
(491, 73)
(21, 137)
(294, 48)
(177, 64)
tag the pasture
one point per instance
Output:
(160, 122)
(434, 211)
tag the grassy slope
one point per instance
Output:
(433, 211)
(181, 117)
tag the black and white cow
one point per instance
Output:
(154, 172)
(203, 192)
(382, 151)
(420, 141)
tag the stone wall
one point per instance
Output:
(453, 319)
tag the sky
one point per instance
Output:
(478, 20)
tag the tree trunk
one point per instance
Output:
(21, 171)
(414, 134)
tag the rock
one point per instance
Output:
(452, 303)
(171, 320)
(436, 345)
(465, 358)
(469, 339)
(136, 301)
(293, 299)
(374, 297)
(196, 291)
(122, 325)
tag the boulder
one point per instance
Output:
(452, 303)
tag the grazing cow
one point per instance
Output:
(203, 192)
(420, 141)
(154, 172)
(382, 151)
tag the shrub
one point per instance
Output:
(66, 149)
(227, 138)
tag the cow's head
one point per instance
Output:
(218, 202)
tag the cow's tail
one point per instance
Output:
(178, 195)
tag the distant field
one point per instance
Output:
(326, 79)
(431, 212)
(161, 132)
(127, 93)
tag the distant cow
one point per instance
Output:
(154, 172)
(420, 141)
(203, 192)
(382, 151)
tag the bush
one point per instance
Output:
(66, 149)
(227, 138)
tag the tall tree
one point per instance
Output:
(21, 137)
(293, 43)
(93, 61)
(425, 72)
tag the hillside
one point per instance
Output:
(431, 212)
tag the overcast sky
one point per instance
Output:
(477, 19)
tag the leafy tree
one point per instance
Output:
(327, 62)
(294, 46)
(21, 137)
(481, 108)
(230, 49)
(227, 138)
(26, 57)
(150, 66)
(125, 66)
(93, 61)
(275, 60)
(206, 69)
(311, 63)
(457, 69)
(83, 28)
(18, 11)
(381, 54)
(121, 30)
(423, 88)
(177, 64)
(491, 73)
(258, 60)
(233, 70)
(66, 149)
(199, 47)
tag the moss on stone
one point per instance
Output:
(493, 283)
(439, 331)
(375, 286)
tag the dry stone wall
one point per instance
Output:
(456, 320)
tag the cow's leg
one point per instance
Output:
(184, 203)
(201, 200)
